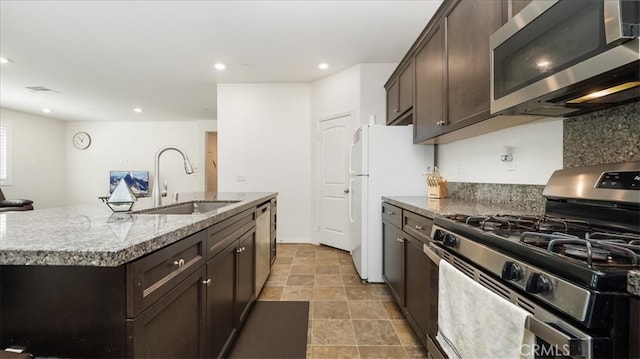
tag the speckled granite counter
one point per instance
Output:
(633, 282)
(92, 235)
(432, 207)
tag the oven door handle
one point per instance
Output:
(432, 252)
(570, 346)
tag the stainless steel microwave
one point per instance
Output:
(566, 57)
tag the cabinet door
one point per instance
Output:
(393, 109)
(173, 327)
(393, 261)
(428, 110)
(245, 278)
(417, 286)
(405, 88)
(220, 301)
(468, 60)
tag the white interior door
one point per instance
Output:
(335, 137)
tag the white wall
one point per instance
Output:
(373, 96)
(537, 149)
(263, 146)
(38, 153)
(131, 146)
(358, 90)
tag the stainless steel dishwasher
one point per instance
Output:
(263, 245)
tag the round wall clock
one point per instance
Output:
(81, 140)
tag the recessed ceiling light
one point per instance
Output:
(137, 110)
(46, 110)
(220, 66)
(4, 60)
(323, 66)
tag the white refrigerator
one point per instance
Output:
(383, 162)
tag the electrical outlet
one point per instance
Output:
(511, 165)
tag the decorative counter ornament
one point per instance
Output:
(122, 199)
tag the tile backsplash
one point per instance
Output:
(608, 136)
(523, 197)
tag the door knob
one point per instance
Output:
(346, 190)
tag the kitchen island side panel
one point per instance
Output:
(62, 311)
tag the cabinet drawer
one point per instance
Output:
(417, 226)
(220, 235)
(392, 214)
(151, 277)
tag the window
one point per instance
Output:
(5, 153)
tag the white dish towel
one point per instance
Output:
(474, 322)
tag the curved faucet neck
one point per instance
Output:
(188, 168)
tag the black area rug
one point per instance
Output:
(273, 330)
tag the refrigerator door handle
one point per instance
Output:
(351, 220)
(351, 158)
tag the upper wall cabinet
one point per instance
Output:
(447, 72)
(452, 63)
(400, 95)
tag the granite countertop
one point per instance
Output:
(433, 207)
(93, 235)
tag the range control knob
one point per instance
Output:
(538, 284)
(511, 271)
(449, 240)
(439, 235)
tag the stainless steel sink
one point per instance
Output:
(193, 207)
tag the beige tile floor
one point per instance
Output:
(347, 319)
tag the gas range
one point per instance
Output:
(567, 267)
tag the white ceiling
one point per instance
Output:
(103, 58)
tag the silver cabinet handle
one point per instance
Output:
(430, 251)
(400, 240)
(207, 282)
(396, 110)
(241, 249)
(419, 228)
(179, 263)
(390, 213)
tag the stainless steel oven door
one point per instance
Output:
(552, 45)
(554, 337)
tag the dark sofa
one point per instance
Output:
(9, 205)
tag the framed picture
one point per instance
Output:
(138, 181)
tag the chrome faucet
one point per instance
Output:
(188, 169)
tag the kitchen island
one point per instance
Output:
(83, 281)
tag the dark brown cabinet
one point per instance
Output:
(173, 326)
(245, 272)
(400, 96)
(410, 274)
(230, 279)
(393, 261)
(417, 287)
(429, 112)
(452, 67)
(468, 60)
(220, 301)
